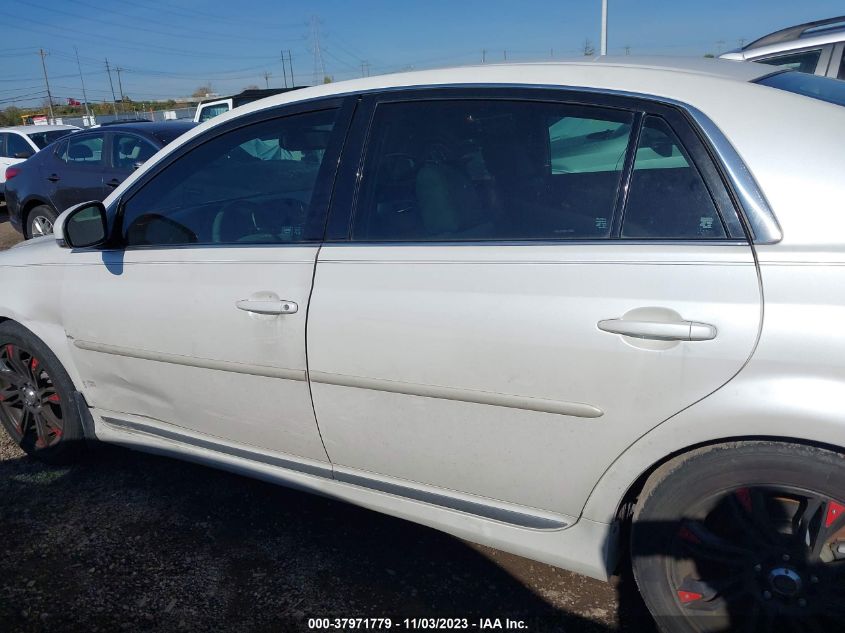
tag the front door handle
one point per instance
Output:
(53, 178)
(267, 306)
(114, 182)
(660, 330)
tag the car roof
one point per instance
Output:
(28, 129)
(800, 36)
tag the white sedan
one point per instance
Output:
(584, 312)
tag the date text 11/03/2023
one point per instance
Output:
(429, 624)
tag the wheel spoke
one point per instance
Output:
(702, 543)
(803, 522)
(51, 420)
(13, 358)
(41, 429)
(748, 509)
(830, 519)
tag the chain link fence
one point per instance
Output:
(149, 115)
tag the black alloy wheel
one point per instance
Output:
(36, 406)
(746, 537)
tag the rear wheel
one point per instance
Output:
(36, 398)
(40, 221)
(747, 536)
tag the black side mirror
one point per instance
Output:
(82, 226)
(25, 154)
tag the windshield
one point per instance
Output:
(821, 88)
(43, 139)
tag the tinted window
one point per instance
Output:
(667, 197)
(822, 88)
(15, 145)
(842, 68)
(490, 170)
(804, 62)
(84, 150)
(43, 139)
(209, 112)
(129, 151)
(251, 185)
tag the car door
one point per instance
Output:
(12, 146)
(195, 323)
(127, 152)
(491, 331)
(75, 173)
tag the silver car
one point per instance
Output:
(584, 312)
(815, 47)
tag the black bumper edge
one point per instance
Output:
(85, 416)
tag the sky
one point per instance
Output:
(168, 48)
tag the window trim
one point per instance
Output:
(348, 184)
(322, 190)
(825, 51)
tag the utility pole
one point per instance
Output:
(604, 27)
(483, 55)
(82, 81)
(505, 54)
(319, 66)
(365, 68)
(627, 50)
(267, 76)
(118, 70)
(284, 70)
(290, 65)
(46, 82)
(113, 98)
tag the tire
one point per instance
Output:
(40, 220)
(37, 407)
(743, 536)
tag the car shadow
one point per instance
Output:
(129, 541)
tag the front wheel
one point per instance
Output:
(36, 398)
(40, 221)
(746, 536)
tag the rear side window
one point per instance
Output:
(251, 185)
(84, 150)
(465, 170)
(668, 198)
(803, 62)
(15, 146)
(209, 112)
(130, 151)
(821, 88)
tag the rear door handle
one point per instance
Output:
(660, 330)
(114, 182)
(267, 306)
(53, 178)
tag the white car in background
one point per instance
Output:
(815, 47)
(584, 312)
(19, 142)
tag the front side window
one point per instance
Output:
(804, 62)
(667, 197)
(462, 170)
(84, 150)
(252, 185)
(130, 151)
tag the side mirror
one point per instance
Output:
(25, 154)
(82, 226)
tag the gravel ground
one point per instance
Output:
(131, 542)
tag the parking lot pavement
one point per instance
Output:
(127, 541)
(8, 235)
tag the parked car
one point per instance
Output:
(87, 166)
(209, 109)
(20, 142)
(815, 47)
(520, 330)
